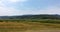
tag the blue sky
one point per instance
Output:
(22, 7)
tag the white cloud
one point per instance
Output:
(9, 11)
(49, 10)
(14, 0)
(6, 11)
(1, 3)
(17, 0)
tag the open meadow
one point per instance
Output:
(29, 25)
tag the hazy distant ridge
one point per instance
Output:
(42, 16)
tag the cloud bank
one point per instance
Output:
(10, 11)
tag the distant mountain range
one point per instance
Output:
(40, 16)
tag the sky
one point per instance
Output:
(23, 7)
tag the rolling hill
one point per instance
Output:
(40, 16)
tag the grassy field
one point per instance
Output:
(29, 25)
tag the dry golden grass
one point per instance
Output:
(26, 26)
